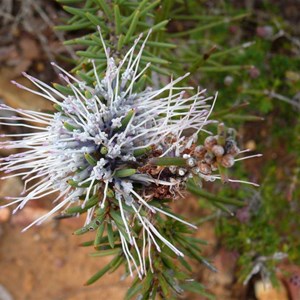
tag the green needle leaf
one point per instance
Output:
(168, 161)
(63, 89)
(198, 288)
(57, 107)
(91, 160)
(94, 224)
(124, 173)
(99, 234)
(164, 286)
(93, 19)
(106, 252)
(70, 127)
(142, 151)
(117, 19)
(132, 27)
(125, 121)
(110, 235)
(78, 209)
(100, 273)
(105, 8)
(75, 26)
(69, 1)
(77, 184)
(214, 198)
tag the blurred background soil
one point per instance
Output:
(46, 263)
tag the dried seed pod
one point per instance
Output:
(189, 175)
(209, 142)
(227, 161)
(209, 158)
(214, 166)
(181, 171)
(218, 150)
(172, 169)
(229, 144)
(231, 133)
(205, 168)
(196, 170)
(191, 162)
(161, 192)
(157, 151)
(199, 151)
(234, 150)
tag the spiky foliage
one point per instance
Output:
(176, 46)
(120, 154)
(115, 150)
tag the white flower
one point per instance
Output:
(95, 134)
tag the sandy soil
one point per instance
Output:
(46, 263)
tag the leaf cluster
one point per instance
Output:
(168, 275)
(270, 225)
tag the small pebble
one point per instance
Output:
(251, 145)
(243, 214)
(4, 294)
(4, 214)
(265, 32)
(254, 72)
(265, 291)
(59, 263)
(228, 80)
(295, 280)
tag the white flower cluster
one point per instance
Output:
(97, 136)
